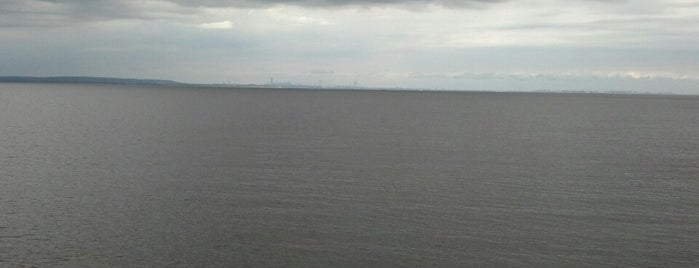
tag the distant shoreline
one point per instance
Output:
(87, 80)
(162, 82)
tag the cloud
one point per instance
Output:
(322, 71)
(217, 25)
(633, 75)
(287, 16)
(336, 3)
(54, 13)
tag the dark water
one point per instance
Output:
(95, 176)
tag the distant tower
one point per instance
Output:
(320, 83)
(271, 81)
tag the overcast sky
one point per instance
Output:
(639, 45)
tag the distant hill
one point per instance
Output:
(86, 80)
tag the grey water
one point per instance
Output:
(146, 176)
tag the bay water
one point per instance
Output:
(148, 176)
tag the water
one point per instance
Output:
(95, 176)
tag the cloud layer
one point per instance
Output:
(336, 3)
(381, 42)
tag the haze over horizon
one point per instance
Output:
(460, 45)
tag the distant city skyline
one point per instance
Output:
(587, 45)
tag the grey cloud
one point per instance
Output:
(18, 13)
(335, 3)
(56, 13)
(322, 72)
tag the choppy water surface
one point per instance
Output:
(144, 176)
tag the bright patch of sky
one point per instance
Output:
(638, 45)
(217, 25)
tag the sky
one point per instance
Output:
(501, 45)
